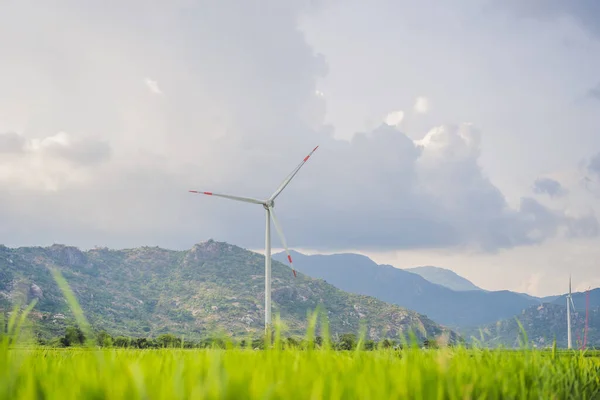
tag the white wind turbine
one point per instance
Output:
(268, 205)
(569, 305)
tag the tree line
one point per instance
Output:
(75, 337)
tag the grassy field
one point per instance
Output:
(31, 372)
(296, 374)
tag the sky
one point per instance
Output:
(460, 134)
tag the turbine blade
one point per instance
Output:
(572, 304)
(291, 175)
(569, 283)
(282, 238)
(226, 196)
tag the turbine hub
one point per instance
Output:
(268, 204)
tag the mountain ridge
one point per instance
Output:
(213, 286)
(458, 309)
(444, 277)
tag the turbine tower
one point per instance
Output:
(268, 205)
(569, 305)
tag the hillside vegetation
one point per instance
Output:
(213, 287)
(542, 324)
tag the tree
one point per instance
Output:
(168, 340)
(319, 341)
(103, 339)
(73, 337)
(258, 344)
(292, 343)
(122, 341)
(140, 343)
(369, 345)
(347, 342)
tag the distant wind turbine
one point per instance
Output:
(269, 206)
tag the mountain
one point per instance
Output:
(214, 286)
(579, 299)
(359, 274)
(542, 323)
(444, 277)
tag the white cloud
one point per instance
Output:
(394, 118)
(153, 86)
(540, 270)
(242, 110)
(11, 143)
(421, 105)
(531, 284)
(51, 162)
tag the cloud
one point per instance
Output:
(394, 118)
(532, 283)
(585, 12)
(593, 166)
(421, 105)
(241, 110)
(11, 143)
(397, 193)
(584, 226)
(153, 86)
(73, 149)
(50, 162)
(595, 92)
(548, 186)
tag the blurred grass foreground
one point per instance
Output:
(284, 371)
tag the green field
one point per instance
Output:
(310, 371)
(296, 374)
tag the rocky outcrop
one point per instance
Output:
(35, 292)
(67, 255)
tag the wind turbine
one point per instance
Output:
(569, 305)
(268, 205)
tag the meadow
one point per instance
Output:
(281, 371)
(296, 374)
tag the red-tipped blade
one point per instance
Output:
(291, 175)
(227, 196)
(310, 154)
(291, 264)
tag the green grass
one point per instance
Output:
(32, 372)
(296, 374)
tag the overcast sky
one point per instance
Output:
(461, 134)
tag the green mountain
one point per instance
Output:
(212, 287)
(542, 324)
(444, 277)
